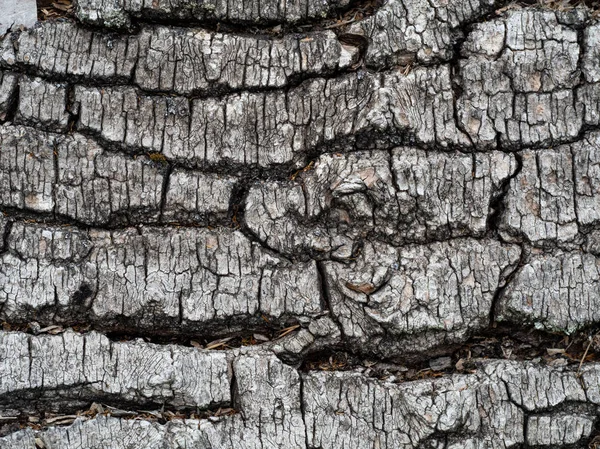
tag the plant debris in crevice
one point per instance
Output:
(254, 337)
(43, 420)
(546, 348)
(359, 12)
(268, 332)
(502, 343)
(54, 9)
(556, 5)
(566, 5)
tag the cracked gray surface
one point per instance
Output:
(271, 128)
(119, 13)
(342, 409)
(555, 197)
(165, 59)
(404, 195)
(148, 278)
(417, 297)
(92, 366)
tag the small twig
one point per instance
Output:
(222, 343)
(8, 418)
(339, 24)
(287, 330)
(65, 419)
(586, 351)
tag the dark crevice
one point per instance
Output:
(593, 442)
(62, 407)
(497, 205)
(508, 277)
(366, 140)
(325, 294)
(118, 221)
(196, 17)
(217, 90)
(70, 399)
(303, 413)
(164, 190)
(457, 89)
(55, 180)
(231, 332)
(5, 234)
(237, 203)
(327, 303)
(71, 108)
(238, 219)
(502, 342)
(12, 107)
(360, 42)
(234, 390)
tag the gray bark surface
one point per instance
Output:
(301, 224)
(17, 13)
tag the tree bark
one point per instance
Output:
(301, 224)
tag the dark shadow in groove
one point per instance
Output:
(36, 411)
(337, 18)
(503, 342)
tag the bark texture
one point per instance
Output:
(295, 223)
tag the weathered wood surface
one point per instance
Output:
(219, 198)
(17, 13)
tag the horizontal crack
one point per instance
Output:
(499, 341)
(334, 19)
(217, 91)
(263, 330)
(42, 414)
